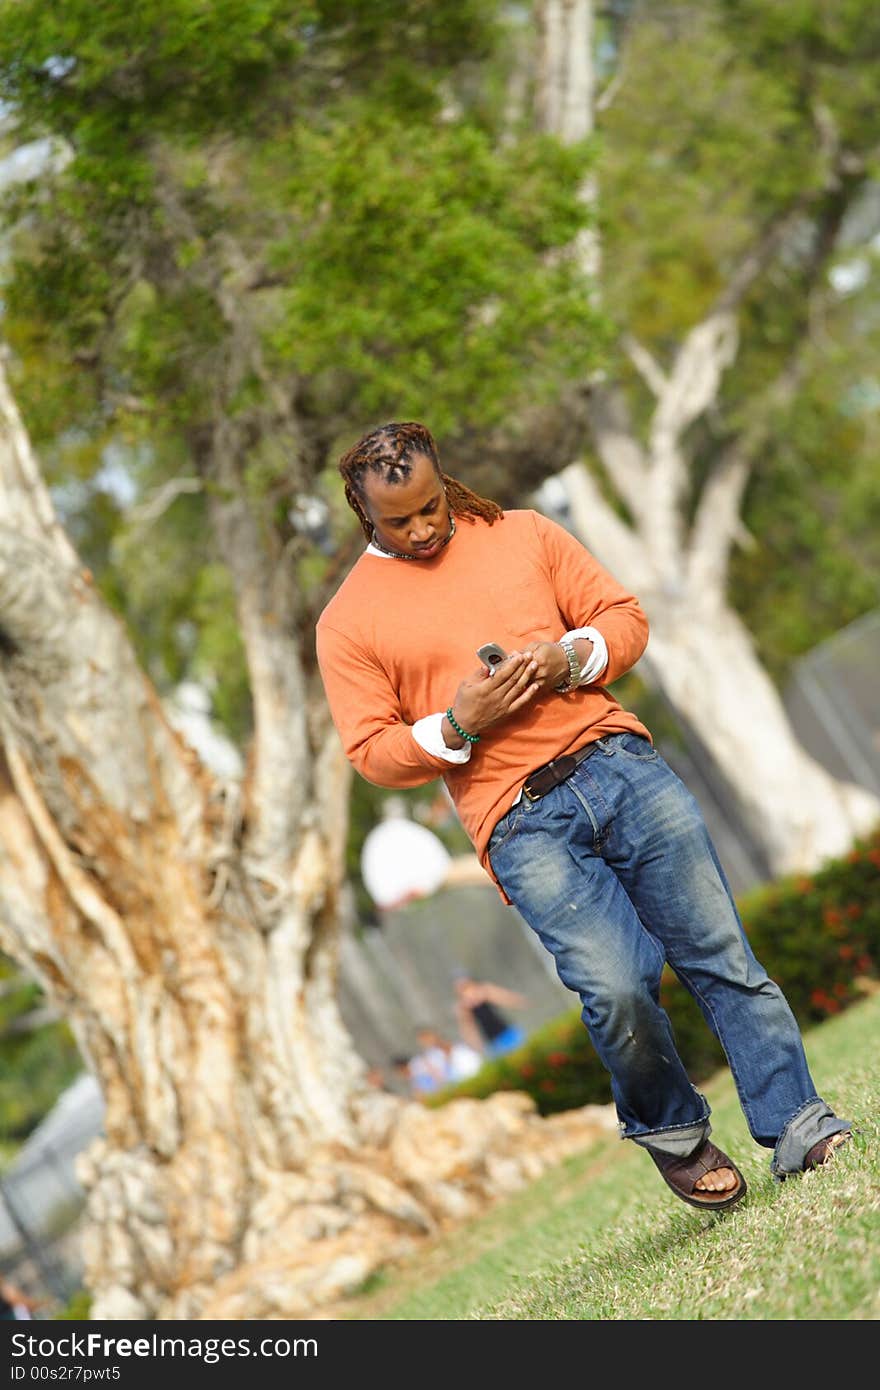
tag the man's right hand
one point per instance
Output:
(484, 698)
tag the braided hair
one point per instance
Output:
(387, 452)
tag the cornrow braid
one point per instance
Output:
(387, 452)
(463, 502)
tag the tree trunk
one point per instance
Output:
(706, 664)
(188, 930)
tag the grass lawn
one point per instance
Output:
(602, 1237)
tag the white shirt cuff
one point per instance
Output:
(428, 734)
(598, 658)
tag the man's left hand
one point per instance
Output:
(552, 664)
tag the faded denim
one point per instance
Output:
(615, 872)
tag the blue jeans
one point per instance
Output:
(615, 872)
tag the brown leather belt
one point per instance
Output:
(544, 779)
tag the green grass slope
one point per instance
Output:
(601, 1237)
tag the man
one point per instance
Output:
(579, 821)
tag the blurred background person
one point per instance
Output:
(441, 1062)
(478, 1012)
(15, 1304)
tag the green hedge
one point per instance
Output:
(817, 936)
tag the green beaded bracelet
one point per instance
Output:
(471, 738)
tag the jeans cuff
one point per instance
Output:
(813, 1122)
(680, 1140)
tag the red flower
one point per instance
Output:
(874, 856)
(864, 963)
(833, 919)
(558, 1059)
(846, 952)
(853, 911)
(804, 885)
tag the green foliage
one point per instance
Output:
(416, 265)
(692, 167)
(35, 1064)
(731, 119)
(350, 177)
(77, 1309)
(727, 116)
(377, 186)
(268, 224)
(821, 53)
(92, 72)
(813, 508)
(818, 937)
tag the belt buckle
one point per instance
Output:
(536, 796)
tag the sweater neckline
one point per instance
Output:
(376, 548)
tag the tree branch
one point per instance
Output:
(646, 365)
(564, 100)
(149, 511)
(267, 608)
(692, 386)
(25, 503)
(613, 543)
(759, 257)
(694, 381)
(280, 759)
(717, 521)
(75, 705)
(566, 79)
(618, 448)
(249, 545)
(710, 347)
(609, 92)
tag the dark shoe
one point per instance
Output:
(683, 1174)
(824, 1151)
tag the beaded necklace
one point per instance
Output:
(399, 555)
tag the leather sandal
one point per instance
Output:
(683, 1174)
(824, 1151)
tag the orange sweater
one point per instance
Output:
(399, 636)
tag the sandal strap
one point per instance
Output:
(705, 1159)
(821, 1152)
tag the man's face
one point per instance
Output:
(411, 516)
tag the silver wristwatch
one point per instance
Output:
(574, 667)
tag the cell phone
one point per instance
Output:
(491, 654)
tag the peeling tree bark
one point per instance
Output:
(699, 652)
(189, 932)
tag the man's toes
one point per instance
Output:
(719, 1180)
